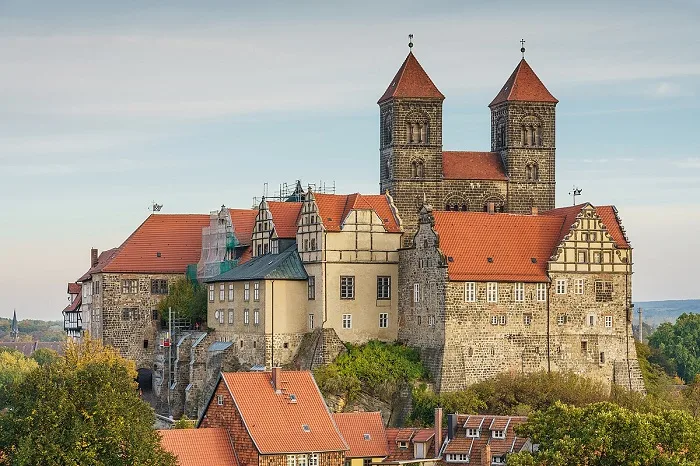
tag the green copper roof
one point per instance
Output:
(283, 266)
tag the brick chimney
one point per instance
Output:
(535, 210)
(438, 431)
(93, 257)
(276, 379)
(486, 455)
(491, 207)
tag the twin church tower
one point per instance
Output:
(516, 176)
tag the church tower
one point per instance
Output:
(522, 131)
(410, 141)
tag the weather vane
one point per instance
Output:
(410, 41)
(522, 47)
(575, 192)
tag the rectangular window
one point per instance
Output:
(157, 287)
(608, 321)
(541, 292)
(130, 313)
(312, 287)
(130, 286)
(603, 291)
(403, 445)
(220, 400)
(561, 286)
(591, 320)
(222, 292)
(431, 321)
(597, 258)
(494, 320)
(498, 434)
(211, 293)
(221, 316)
(313, 459)
(416, 292)
(502, 319)
(492, 292)
(578, 286)
(230, 291)
(301, 460)
(246, 291)
(584, 346)
(256, 291)
(367, 462)
(312, 244)
(420, 320)
(347, 321)
(246, 316)
(470, 292)
(601, 358)
(230, 317)
(472, 432)
(383, 320)
(519, 292)
(527, 319)
(311, 321)
(291, 460)
(256, 317)
(582, 257)
(561, 319)
(383, 287)
(347, 287)
(457, 457)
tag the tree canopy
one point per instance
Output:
(187, 300)
(14, 366)
(680, 344)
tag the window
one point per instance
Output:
(220, 314)
(603, 291)
(457, 458)
(498, 460)
(532, 172)
(246, 292)
(403, 445)
(157, 287)
(417, 169)
(220, 400)
(383, 287)
(306, 245)
(129, 313)
(541, 292)
(431, 321)
(312, 244)
(211, 293)
(561, 319)
(230, 291)
(301, 459)
(130, 286)
(494, 320)
(383, 320)
(492, 292)
(347, 287)
(472, 432)
(582, 257)
(561, 286)
(291, 460)
(367, 462)
(347, 321)
(597, 257)
(230, 317)
(416, 292)
(256, 291)
(256, 317)
(591, 320)
(246, 316)
(584, 236)
(502, 319)
(470, 292)
(222, 293)
(312, 287)
(584, 346)
(311, 321)
(608, 321)
(420, 320)
(154, 314)
(578, 286)
(498, 434)
(313, 459)
(519, 292)
(601, 358)
(527, 319)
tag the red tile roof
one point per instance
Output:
(364, 433)
(523, 85)
(75, 305)
(246, 255)
(284, 217)
(74, 288)
(475, 446)
(243, 221)
(411, 81)
(607, 214)
(511, 241)
(199, 447)
(473, 166)
(274, 422)
(164, 243)
(395, 435)
(334, 208)
(104, 258)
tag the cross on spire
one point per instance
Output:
(522, 47)
(410, 41)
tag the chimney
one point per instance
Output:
(486, 455)
(276, 382)
(93, 257)
(535, 210)
(491, 207)
(451, 426)
(438, 431)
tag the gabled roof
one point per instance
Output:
(284, 217)
(411, 81)
(164, 243)
(75, 305)
(286, 265)
(243, 221)
(74, 288)
(333, 209)
(103, 259)
(459, 165)
(607, 214)
(275, 422)
(523, 85)
(473, 447)
(199, 447)
(469, 239)
(394, 435)
(364, 433)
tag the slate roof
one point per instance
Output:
(411, 81)
(364, 433)
(286, 265)
(274, 422)
(243, 221)
(103, 259)
(284, 217)
(199, 447)
(473, 447)
(333, 209)
(461, 165)
(523, 85)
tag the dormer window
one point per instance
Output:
(472, 432)
(403, 445)
(498, 434)
(366, 436)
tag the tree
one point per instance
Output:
(680, 343)
(692, 396)
(14, 366)
(425, 401)
(187, 299)
(81, 409)
(45, 356)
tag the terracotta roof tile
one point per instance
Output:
(408, 434)
(411, 81)
(75, 305)
(608, 215)
(364, 433)
(274, 422)
(103, 259)
(404, 435)
(474, 446)
(423, 435)
(74, 288)
(523, 85)
(473, 166)
(284, 217)
(243, 221)
(199, 447)
(164, 243)
(246, 255)
(334, 208)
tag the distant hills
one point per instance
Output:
(29, 330)
(658, 312)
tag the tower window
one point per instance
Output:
(532, 172)
(417, 169)
(417, 129)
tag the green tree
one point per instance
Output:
(425, 401)
(680, 344)
(14, 367)
(45, 356)
(692, 396)
(187, 299)
(81, 409)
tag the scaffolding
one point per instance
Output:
(218, 246)
(293, 192)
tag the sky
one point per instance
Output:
(108, 106)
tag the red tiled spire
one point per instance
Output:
(411, 81)
(523, 85)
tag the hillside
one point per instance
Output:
(29, 330)
(657, 312)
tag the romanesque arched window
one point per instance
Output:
(531, 132)
(417, 128)
(494, 205)
(417, 169)
(456, 203)
(532, 171)
(388, 130)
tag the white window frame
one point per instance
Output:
(256, 291)
(291, 460)
(230, 317)
(561, 285)
(579, 286)
(431, 321)
(256, 317)
(470, 292)
(457, 458)
(230, 291)
(492, 292)
(311, 321)
(591, 320)
(472, 432)
(608, 321)
(503, 319)
(246, 316)
(246, 291)
(561, 319)
(347, 321)
(222, 292)
(221, 317)
(211, 293)
(383, 320)
(527, 319)
(499, 434)
(541, 292)
(416, 292)
(519, 292)
(313, 459)
(220, 400)
(494, 319)
(302, 460)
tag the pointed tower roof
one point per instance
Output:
(411, 81)
(523, 85)
(14, 330)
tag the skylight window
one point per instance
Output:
(292, 398)
(366, 436)
(305, 428)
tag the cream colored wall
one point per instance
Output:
(289, 306)
(360, 461)
(229, 332)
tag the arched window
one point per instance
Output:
(456, 203)
(417, 169)
(417, 128)
(531, 132)
(532, 172)
(414, 169)
(494, 205)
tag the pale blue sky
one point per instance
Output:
(105, 106)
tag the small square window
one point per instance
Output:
(220, 400)
(383, 320)
(608, 321)
(527, 319)
(347, 321)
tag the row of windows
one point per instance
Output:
(598, 257)
(220, 317)
(94, 288)
(226, 292)
(133, 313)
(131, 286)
(562, 319)
(347, 287)
(347, 320)
(303, 460)
(603, 289)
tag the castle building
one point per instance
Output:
(72, 314)
(516, 175)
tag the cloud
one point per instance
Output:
(667, 89)
(688, 162)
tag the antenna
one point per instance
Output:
(410, 41)
(575, 191)
(522, 47)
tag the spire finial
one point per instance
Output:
(522, 47)
(410, 42)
